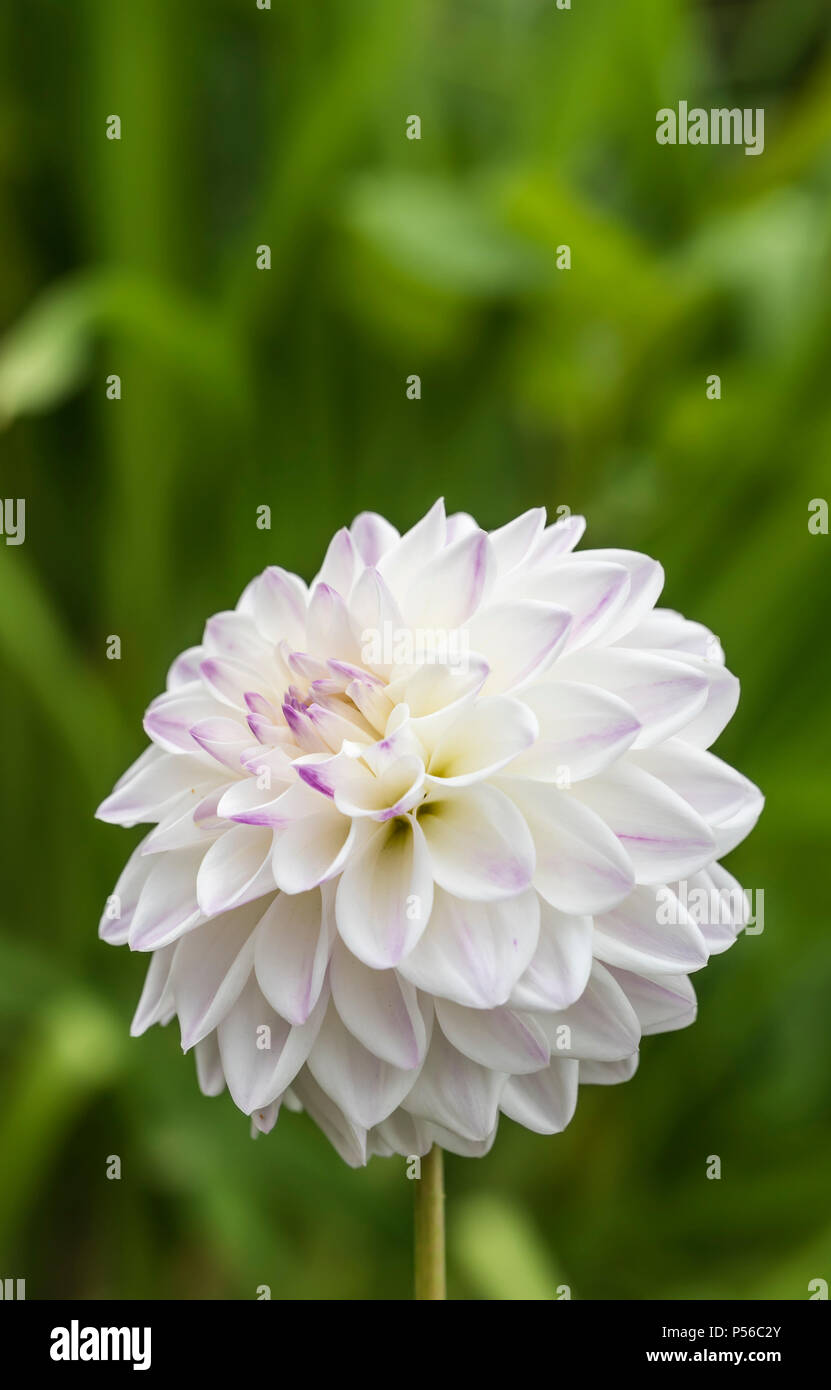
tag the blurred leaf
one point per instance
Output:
(495, 1244)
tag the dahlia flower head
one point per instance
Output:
(427, 834)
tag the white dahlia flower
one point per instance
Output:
(436, 837)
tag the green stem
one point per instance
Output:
(429, 1227)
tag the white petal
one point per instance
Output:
(512, 543)
(234, 636)
(339, 566)
(455, 1092)
(402, 1134)
(170, 718)
(210, 970)
(156, 998)
(230, 681)
(329, 629)
(559, 970)
(731, 832)
(662, 1005)
(582, 730)
(711, 787)
(646, 580)
(460, 524)
(664, 694)
(602, 1026)
(167, 907)
(545, 1101)
(380, 1009)
(451, 587)
(454, 1143)
(236, 869)
(225, 739)
(479, 845)
(348, 1139)
(499, 1038)
(366, 1089)
(581, 866)
(486, 738)
(280, 607)
(261, 1053)
(662, 835)
(179, 829)
(518, 640)
(557, 540)
(718, 905)
(650, 932)
(185, 669)
(373, 536)
(720, 706)
(155, 788)
(608, 1073)
(293, 944)
(209, 1071)
(385, 894)
(669, 632)
(437, 694)
(117, 917)
(408, 556)
(312, 849)
(593, 592)
(473, 952)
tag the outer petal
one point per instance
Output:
(711, 787)
(156, 787)
(293, 945)
(545, 1101)
(512, 543)
(502, 1039)
(156, 998)
(450, 588)
(650, 932)
(261, 1053)
(363, 1087)
(373, 536)
(210, 969)
(209, 1071)
(581, 865)
(582, 730)
(347, 1138)
(608, 1073)
(456, 1093)
(662, 835)
(380, 1009)
(236, 869)
(646, 580)
(473, 953)
(167, 907)
(662, 1005)
(602, 1026)
(518, 639)
(559, 970)
(664, 694)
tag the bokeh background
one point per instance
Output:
(241, 387)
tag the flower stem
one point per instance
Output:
(429, 1227)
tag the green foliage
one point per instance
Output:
(583, 387)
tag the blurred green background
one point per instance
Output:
(242, 387)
